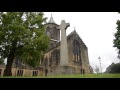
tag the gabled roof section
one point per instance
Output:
(75, 34)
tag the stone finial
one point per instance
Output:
(51, 20)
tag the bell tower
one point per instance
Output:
(52, 29)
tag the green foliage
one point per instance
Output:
(116, 41)
(113, 68)
(23, 34)
(1, 61)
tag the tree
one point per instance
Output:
(116, 41)
(113, 68)
(22, 34)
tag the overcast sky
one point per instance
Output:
(96, 30)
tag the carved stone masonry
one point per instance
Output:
(63, 50)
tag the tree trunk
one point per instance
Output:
(7, 71)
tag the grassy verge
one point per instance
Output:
(72, 76)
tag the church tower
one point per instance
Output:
(52, 30)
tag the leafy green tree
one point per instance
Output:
(116, 41)
(113, 68)
(22, 34)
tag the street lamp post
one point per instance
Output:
(100, 64)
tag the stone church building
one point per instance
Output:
(77, 55)
(77, 50)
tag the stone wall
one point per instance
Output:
(25, 72)
(64, 70)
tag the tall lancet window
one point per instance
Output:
(76, 50)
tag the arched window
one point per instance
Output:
(76, 50)
(48, 31)
(55, 57)
(55, 33)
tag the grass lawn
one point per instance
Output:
(72, 76)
